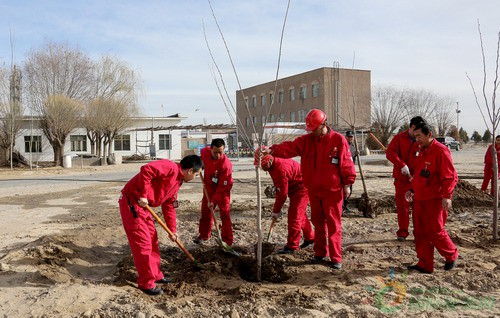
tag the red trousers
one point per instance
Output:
(206, 220)
(402, 207)
(143, 241)
(488, 176)
(298, 222)
(326, 216)
(429, 219)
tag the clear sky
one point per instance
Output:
(415, 44)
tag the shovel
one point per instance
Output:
(218, 238)
(179, 243)
(273, 221)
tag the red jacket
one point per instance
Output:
(218, 175)
(442, 176)
(326, 161)
(287, 178)
(488, 158)
(398, 152)
(158, 181)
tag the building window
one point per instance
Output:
(263, 100)
(303, 92)
(281, 96)
(247, 121)
(78, 142)
(273, 118)
(315, 90)
(254, 101)
(292, 116)
(32, 143)
(271, 98)
(263, 120)
(292, 94)
(122, 142)
(302, 115)
(254, 120)
(165, 142)
(246, 102)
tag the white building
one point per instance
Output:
(34, 146)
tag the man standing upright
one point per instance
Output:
(218, 182)
(398, 152)
(434, 179)
(488, 165)
(328, 172)
(287, 179)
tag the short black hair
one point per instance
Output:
(426, 129)
(416, 120)
(217, 142)
(498, 136)
(192, 161)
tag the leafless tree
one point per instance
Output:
(443, 115)
(60, 116)
(114, 102)
(54, 75)
(387, 114)
(493, 113)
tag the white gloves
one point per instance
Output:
(276, 215)
(143, 202)
(405, 171)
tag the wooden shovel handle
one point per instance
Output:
(273, 221)
(377, 141)
(208, 199)
(163, 225)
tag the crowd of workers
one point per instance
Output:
(424, 180)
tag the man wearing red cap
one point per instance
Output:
(287, 179)
(156, 184)
(432, 188)
(218, 182)
(488, 165)
(328, 172)
(398, 152)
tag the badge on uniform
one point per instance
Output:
(175, 204)
(215, 180)
(335, 160)
(225, 183)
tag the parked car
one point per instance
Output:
(449, 142)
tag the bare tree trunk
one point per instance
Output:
(495, 188)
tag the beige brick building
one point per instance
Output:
(333, 90)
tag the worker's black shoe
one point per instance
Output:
(199, 240)
(401, 238)
(450, 265)
(418, 269)
(286, 250)
(164, 280)
(306, 243)
(153, 291)
(317, 259)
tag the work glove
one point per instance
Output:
(265, 150)
(143, 202)
(446, 204)
(409, 196)
(276, 215)
(174, 237)
(347, 191)
(405, 171)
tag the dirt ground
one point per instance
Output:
(63, 253)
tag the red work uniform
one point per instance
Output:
(159, 183)
(327, 167)
(434, 178)
(218, 181)
(287, 178)
(488, 168)
(398, 152)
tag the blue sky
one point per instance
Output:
(415, 44)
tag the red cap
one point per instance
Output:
(314, 119)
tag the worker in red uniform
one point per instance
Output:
(218, 182)
(434, 179)
(157, 184)
(488, 165)
(328, 172)
(287, 179)
(398, 152)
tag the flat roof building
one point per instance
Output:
(343, 94)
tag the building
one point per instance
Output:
(139, 139)
(343, 94)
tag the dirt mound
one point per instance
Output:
(466, 195)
